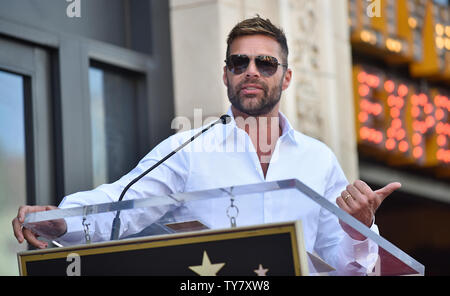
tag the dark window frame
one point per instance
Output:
(32, 63)
(71, 56)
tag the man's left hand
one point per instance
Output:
(360, 201)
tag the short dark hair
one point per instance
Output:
(259, 26)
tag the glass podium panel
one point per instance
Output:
(237, 206)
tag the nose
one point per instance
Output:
(252, 70)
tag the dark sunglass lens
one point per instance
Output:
(237, 64)
(267, 65)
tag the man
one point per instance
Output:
(255, 74)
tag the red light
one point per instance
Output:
(370, 108)
(438, 101)
(417, 152)
(362, 77)
(441, 101)
(391, 100)
(439, 114)
(416, 125)
(371, 135)
(400, 103)
(364, 104)
(390, 144)
(446, 129)
(373, 81)
(378, 137)
(402, 90)
(440, 154)
(364, 133)
(442, 140)
(363, 90)
(443, 155)
(377, 109)
(395, 112)
(419, 126)
(423, 127)
(416, 139)
(403, 146)
(428, 109)
(363, 116)
(389, 86)
(415, 100)
(400, 134)
(423, 99)
(415, 111)
(430, 121)
(396, 123)
(440, 127)
(390, 132)
(402, 120)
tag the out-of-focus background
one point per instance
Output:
(88, 87)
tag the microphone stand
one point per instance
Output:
(224, 119)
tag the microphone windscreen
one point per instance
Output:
(225, 118)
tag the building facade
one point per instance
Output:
(85, 92)
(87, 88)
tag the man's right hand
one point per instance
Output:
(21, 233)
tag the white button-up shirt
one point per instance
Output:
(225, 156)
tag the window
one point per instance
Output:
(26, 139)
(115, 129)
(12, 162)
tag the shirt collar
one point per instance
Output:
(287, 131)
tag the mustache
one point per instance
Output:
(262, 84)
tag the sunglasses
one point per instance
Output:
(266, 65)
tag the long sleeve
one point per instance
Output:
(348, 256)
(167, 178)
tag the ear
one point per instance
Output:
(224, 77)
(287, 79)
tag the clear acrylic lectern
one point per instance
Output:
(221, 208)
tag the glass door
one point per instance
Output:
(26, 141)
(12, 162)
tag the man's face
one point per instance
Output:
(251, 92)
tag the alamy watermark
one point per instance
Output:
(73, 8)
(373, 8)
(372, 259)
(264, 130)
(74, 267)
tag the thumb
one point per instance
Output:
(384, 192)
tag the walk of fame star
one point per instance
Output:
(261, 271)
(207, 269)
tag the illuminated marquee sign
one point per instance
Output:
(398, 121)
(401, 79)
(414, 32)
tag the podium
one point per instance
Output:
(256, 229)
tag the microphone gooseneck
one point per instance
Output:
(224, 119)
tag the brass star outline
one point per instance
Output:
(207, 269)
(261, 271)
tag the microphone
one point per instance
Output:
(224, 119)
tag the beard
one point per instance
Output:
(268, 101)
